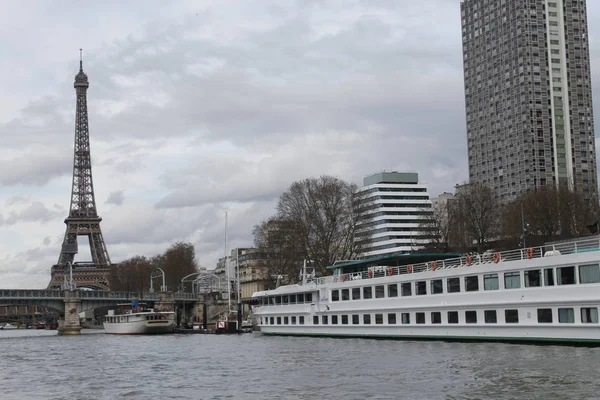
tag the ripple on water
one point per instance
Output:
(98, 366)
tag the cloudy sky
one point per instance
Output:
(202, 107)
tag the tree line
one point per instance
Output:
(474, 220)
(133, 274)
(316, 219)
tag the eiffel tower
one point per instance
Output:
(83, 219)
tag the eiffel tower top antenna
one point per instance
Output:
(81, 60)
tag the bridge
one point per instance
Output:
(69, 303)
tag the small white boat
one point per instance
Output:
(142, 321)
(9, 326)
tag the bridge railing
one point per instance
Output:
(90, 294)
(28, 293)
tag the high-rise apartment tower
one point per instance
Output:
(528, 95)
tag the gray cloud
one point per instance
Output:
(116, 198)
(35, 212)
(34, 169)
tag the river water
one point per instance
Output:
(41, 365)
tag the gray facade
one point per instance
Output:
(528, 95)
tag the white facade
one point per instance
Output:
(396, 204)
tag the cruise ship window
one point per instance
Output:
(335, 295)
(565, 275)
(301, 320)
(301, 298)
(471, 283)
(589, 273)
(511, 316)
(286, 320)
(278, 320)
(533, 278)
(436, 317)
(272, 300)
(308, 297)
(436, 286)
(293, 320)
(406, 289)
(471, 317)
(544, 315)
(334, 320)
(405, 318)
(379, 319)
(392, 318)
(292, 299)
(453, 317)
(277, 299)
(356, 293)
(379, 292)
(355, 319)
(566, 316)
(316, 320)
(549, 277)
(367, 319)
(490, 316)
(490, 282)
(420, 317)
(453, 285)
(589, 315)
(344, 320)
(512, 280)
(285, 300)
(272, 321)
(367, 292)
(393, 290)
(345, 294)
(421, 288)
(325, 319)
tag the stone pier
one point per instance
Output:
(165, 302)
(70, 324)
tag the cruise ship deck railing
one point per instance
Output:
(556, 249)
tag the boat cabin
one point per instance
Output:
(378, 265)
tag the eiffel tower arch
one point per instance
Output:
(83, 219)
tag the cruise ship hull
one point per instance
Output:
(531, 295)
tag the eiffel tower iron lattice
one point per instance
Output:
(83, 219)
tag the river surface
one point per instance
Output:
(41, 365)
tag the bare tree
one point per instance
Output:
(478, 213)
(435, 226)
(322, 209)
(550, 213)
(133, 274)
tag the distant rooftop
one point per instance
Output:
(391, 177)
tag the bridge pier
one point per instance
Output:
(70, 324)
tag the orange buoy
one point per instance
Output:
(530, 253)
(496, 258)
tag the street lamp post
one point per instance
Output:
(183, 280)
(239, 300)
(163, 287)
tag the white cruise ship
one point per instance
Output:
(544, 294)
